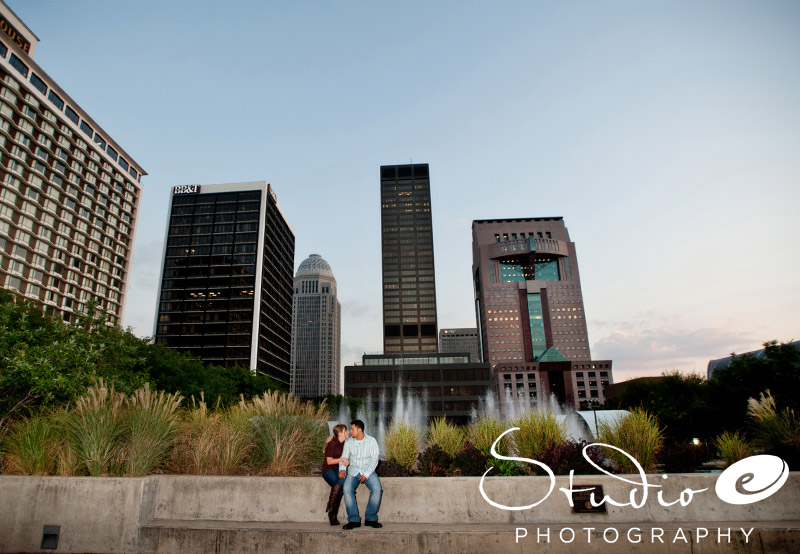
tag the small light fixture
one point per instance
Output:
(696, 441)
(50, 537)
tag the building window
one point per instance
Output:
(72, 115)
(17, 64)
(86, 129)
(38, 83)
(56, 100)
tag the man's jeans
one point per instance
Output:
(374, 504)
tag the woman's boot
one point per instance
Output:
(334, 501)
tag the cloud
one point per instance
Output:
(651, 351)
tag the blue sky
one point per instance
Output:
(665, 133)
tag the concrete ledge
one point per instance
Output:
(128, 515)
(206, 537)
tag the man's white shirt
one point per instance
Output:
(363, 455)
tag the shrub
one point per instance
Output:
(434, 462)
(151, 426)
(30, 446)
(678, 456)
(538, 431)
(777, 432)
(732, 447)
(469, 462)
(567, 456)
(639, 435)
(402, 445)
(447, 436)
(94, 429)
(388, 468)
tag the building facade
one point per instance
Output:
(226, 287)
(69, 194)
(452, 341)
(451, 384)
(529, 307)
(409, 287)
(316, 331)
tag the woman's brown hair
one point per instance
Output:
(336, 430)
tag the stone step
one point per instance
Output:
(219, 537)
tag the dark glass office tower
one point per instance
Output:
(409, 288)
(226, 289)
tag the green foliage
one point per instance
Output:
(335, 401)
(746, 377)
(447, 436)
(639, 435)
(484, 431)
(95, 427)
(538, 432)
(402, 445)
(680, 402)
(30, 445)
(776, 431)
(151, 423)
(47, 362)
(732, 447)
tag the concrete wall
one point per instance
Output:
(106, 514)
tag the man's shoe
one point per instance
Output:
(351, 525)
(374, 524)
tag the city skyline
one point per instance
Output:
(665, 135)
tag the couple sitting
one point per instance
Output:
(348, 463)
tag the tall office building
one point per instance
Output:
(226, 287)
(409, 288)
(529, 306)
(316, 331)
(452, 341)
(69, 194)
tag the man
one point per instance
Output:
(362, 452)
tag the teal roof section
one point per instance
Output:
(552, 355)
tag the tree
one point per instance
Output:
(679, 401)
(747, 376)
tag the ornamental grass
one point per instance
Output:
(94, 429)
(538, 432)
(30, 446)
(402, 445)
(210, 443)
(732, 447)
(639, 434)
(151, 424)
(774, 430)
(447, 436)
(482, 433)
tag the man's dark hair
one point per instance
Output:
(358, 423)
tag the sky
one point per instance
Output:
(666, 134)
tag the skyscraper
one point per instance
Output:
(453, 341)
(69, 194)
(409, 288)
(226, 288)
(530, 312)
(316, 331)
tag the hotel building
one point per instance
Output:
(409, 287)
(316, 331)
(69, 194)
(531, 319)
(226, 287)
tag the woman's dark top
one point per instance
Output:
(333, 450)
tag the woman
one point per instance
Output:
(330, 469)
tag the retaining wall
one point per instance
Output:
(108, 514)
